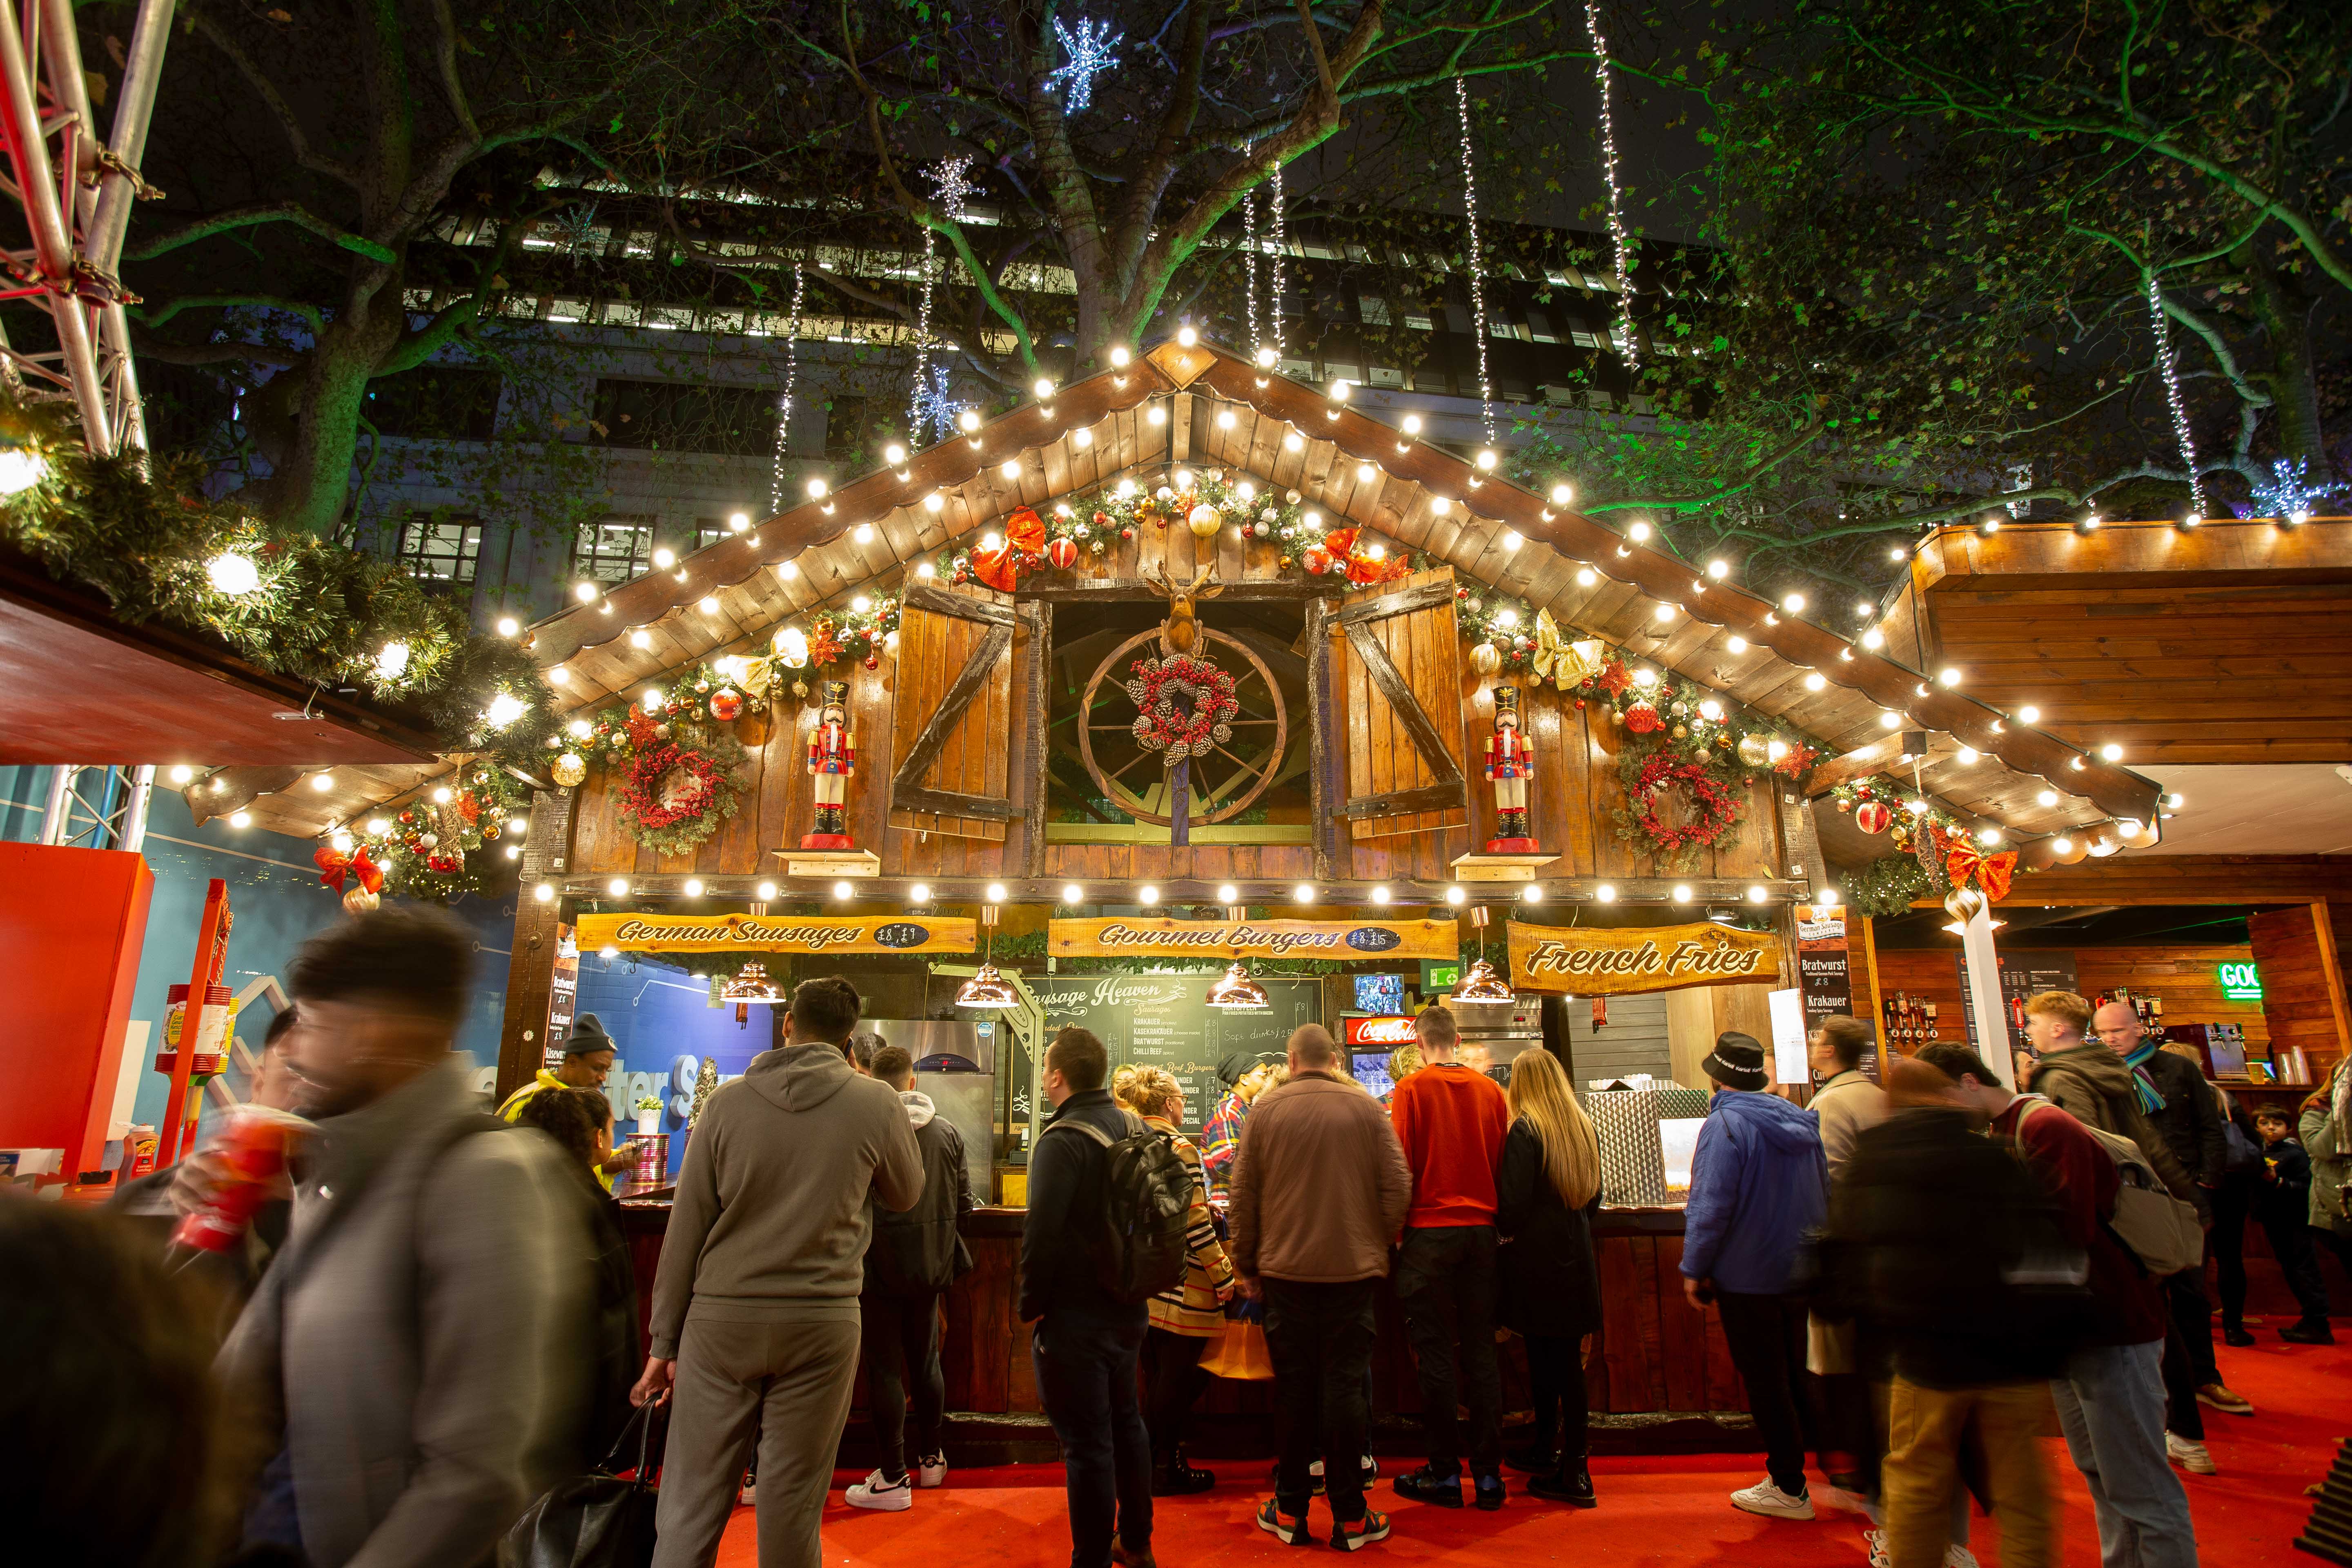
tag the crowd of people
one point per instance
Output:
(434, 1317)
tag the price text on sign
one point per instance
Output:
(1585, 962)
(775, 933)
(1254, 939)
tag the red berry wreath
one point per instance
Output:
(1639, 823)
(1205, 717)
(674, 797)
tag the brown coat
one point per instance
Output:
(1320, 1187)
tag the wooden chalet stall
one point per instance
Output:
(995, 761)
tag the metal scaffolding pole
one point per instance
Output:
(76, 198)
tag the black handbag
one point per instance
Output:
(595, 1521)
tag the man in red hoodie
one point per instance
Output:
(1452, 1121)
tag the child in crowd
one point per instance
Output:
(2284, 1209)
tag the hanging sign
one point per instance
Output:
(1580, 961)
(1378, 1031)
(777, 933)
(1149, 938)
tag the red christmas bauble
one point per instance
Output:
(1642, 717)
(1872, 817)
(1126, 533)
(726, 704)
(1317, 559)
(873, 661)
(1063, 554)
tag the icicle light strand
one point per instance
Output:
(784, 398)
(1274, 274)
(2172, 393)
(1249, 260)
(954, 192)
(1627, 344)
(1475, 262)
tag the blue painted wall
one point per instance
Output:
(278, 901)
(657, 1013)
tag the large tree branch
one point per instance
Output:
(303, 309)
(1747, 481)
(294, 212)
(271, 98)
(445, 58)
(149, 347)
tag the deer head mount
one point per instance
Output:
(1181, 632)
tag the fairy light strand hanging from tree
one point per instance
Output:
(1475, 262)
(1274, 266)
(1249, 261)
(2165, 362)
(1627, 344)
(928, 396)
(784, 398)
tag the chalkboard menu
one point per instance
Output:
(1163, 1020)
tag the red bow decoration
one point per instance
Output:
(1025, 534)
(335, 868)
(1990, 872)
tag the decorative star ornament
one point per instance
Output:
(2290, 494)
(1093, 48)
(936, 408)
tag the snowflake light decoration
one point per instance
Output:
(2290, 493)
(951, 186)
(1093, 48)
(936, 408)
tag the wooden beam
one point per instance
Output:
(2331, 966)
(2134, 878)
(530, 962)
(2118, 555)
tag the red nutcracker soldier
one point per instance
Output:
(832, 758)
(1510, 764)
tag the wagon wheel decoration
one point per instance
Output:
(1227, 777)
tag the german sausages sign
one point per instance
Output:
(1577, 961)
(1254, 939)
(811, 934)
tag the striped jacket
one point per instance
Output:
(1192, 1308)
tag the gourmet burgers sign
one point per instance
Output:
(1148, 939)
(1577, 962)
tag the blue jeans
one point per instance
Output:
(1086, 1380)
(2111, 1406)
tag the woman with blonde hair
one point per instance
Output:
(1188, 1315)
(1545, 1190)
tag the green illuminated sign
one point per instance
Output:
(2240, 983)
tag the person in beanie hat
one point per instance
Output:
(1759, 1185)
(833, 759)
(588, 1055)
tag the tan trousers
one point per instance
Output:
(1926, 1431)
(790, 1378)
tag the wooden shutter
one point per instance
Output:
(951, 723)
(1400, 669)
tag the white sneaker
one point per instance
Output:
(749, 1493)
(1879, 1556)
(1314, 1469)
(1766, 1499)
(887, 1495)
(931, 1470)
(1958, 1556)
(2190, 1456)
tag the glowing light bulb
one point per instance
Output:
(818, 490)
(1638, 532)
(894, 454)
(1073, 894)
(585, 592)
(968, 421)
(232, 574)
(1187, 336)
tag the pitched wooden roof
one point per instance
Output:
(1222, 409)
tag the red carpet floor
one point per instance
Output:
(1668, 1512)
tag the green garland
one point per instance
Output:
(142, 531)
(1887, 886)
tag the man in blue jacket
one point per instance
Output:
(1759, 1187)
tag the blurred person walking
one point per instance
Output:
(588, 1058)
(1758, 1187)
(1938, 1240)
(1545, 1193)
(580, 1120)
(911, 1260)
(1320, 1190)
(2234, 1203)
(755, 1316)
(1089, 1338)
(1848, 1103)
(2110, 1397)
(1451, 1120)
(408, 1362)
(1185, 1318)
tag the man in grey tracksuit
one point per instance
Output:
(755, 1303)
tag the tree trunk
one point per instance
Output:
(311, 468)
(2292, 379)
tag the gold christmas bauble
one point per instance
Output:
(1204, 521)
(359, 901)
(570, 769)
(1754, 750)
(1486, 658)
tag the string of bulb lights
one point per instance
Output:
(784, 398)
(1478, 324)
(1629, 345)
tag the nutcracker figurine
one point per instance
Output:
(1510, 764)
(832, 758)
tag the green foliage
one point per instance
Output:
(1886, 887)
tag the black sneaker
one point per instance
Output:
(1570, 1484)
(2308, 1332)
(1355, 1534)
(1290, 1529)
(1430, 1485)
(2232, 1334)
(1487, 1490)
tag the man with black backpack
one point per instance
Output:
(1108, 1206)
(2110, 1396)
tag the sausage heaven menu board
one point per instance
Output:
(1164, 1021)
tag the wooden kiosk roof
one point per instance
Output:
(1220, 409)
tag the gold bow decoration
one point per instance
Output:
(1566, 664)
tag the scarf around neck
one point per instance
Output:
(2150, 1099)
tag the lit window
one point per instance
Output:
(445, 550)
(613, 550)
